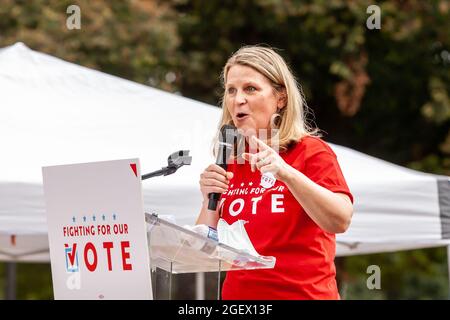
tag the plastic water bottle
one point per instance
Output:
(206, 231)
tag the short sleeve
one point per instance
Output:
(323, 168)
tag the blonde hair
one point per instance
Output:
(291, 120)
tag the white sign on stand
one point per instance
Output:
(97, 231)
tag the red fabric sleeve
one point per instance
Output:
(323, 168)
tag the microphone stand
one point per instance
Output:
(175, 161)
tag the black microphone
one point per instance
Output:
(227, 139)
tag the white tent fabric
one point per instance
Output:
(54, 112)
(395, 208)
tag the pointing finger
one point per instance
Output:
(261, 144)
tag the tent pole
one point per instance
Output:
(200, 286)
(10, 287)
(448, 267)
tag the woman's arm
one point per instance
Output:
(330, 211)
(208, 217)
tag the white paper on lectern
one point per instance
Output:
(108, 258)
(235, 236)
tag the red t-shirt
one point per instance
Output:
(278, 226)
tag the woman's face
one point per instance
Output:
(250, 98)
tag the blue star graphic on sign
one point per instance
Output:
(114, 216)
(103, 217)
(84, 219)
(73, 219)
(93, 218)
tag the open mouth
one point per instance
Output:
(241, 115)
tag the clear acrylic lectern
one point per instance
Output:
(176, 250)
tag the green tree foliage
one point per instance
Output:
(34, 281)
(414, 274)
(136, 40)
(384, 92)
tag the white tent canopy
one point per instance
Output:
(54, 112)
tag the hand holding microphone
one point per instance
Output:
(214, 180)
